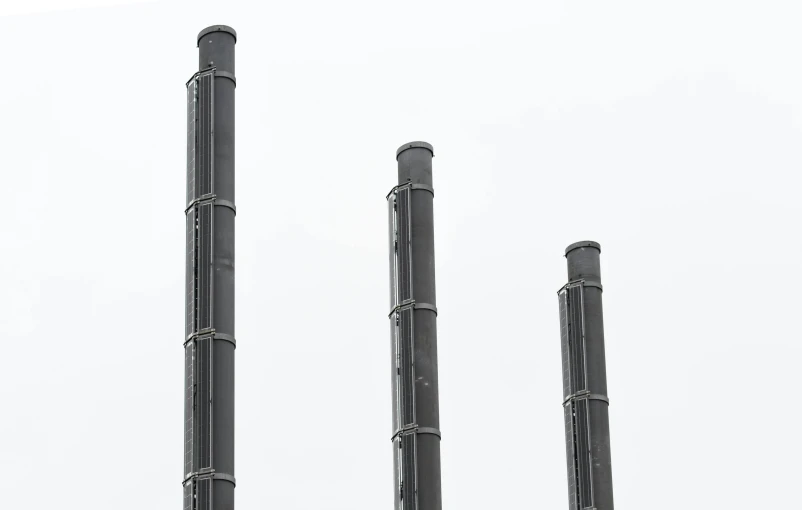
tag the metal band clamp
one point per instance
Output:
(226, 477)
(425, 306)
(414, 304)
(586, 396)
(226, 203)
(224, 74)
(410, 429)
(213, 335)
(429, 430)
(202, 475)
(211, 199)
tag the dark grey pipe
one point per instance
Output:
(585, 402)
(413, 319)
(210, 337)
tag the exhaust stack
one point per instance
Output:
(209, 342)
(413, 321)
(585, 403)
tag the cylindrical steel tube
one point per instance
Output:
(585, 399)
(416, 417)
(209, 405)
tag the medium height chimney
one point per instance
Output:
(209, 342)
(413, 321)
(587, 428)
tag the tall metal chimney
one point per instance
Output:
(413, 320)
(587, 427)
(209, 343)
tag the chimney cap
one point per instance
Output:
(414, 145)
(217, 28)
(582, 244)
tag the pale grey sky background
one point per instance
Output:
(667, 131)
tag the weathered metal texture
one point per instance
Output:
(209, 335)
(413, 321)
(585, 402)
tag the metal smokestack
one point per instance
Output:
(413, 320)
(209, 342)
(585, 403)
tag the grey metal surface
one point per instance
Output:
(587, 429)
(209, 336)
(413, 320)
(217, 28)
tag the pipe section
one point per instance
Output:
(413, 320)
(585, 402)
(210, 337)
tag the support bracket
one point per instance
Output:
(583, 283)
(424, 187)
(592, 283)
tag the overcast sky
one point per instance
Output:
(669, 132)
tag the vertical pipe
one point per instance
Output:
(210, 342)
(413, 319)
(585, 402)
